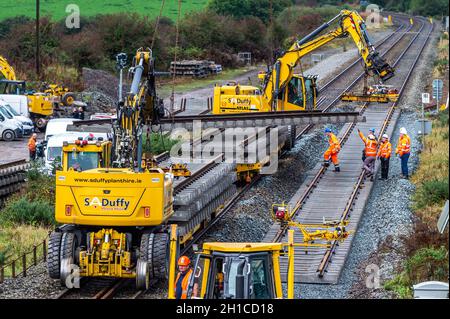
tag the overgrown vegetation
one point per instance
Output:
(416, 7)
(34, 205)
(159, 143)
(217, 32)
(427, 263)
(27, 216)
(426, 249)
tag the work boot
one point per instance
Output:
(337, 169)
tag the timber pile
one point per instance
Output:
(195, 68)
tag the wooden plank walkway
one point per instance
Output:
(328, 200)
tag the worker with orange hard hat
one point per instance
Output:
(183, 277)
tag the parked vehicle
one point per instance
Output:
(10, 129)
(28, 127)
(57, 126)
(54, 145)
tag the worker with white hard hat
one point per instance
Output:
(384, 154)
(403, 150)
(370, 151)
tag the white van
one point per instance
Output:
(54, 145)
(28, 127)
(18, 101)
(9, 129)
(57, 126)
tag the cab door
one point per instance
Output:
(311, 92)
(294, 94)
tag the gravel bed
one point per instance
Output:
(37, 285)
(387, 215)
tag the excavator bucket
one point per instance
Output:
(381, 67)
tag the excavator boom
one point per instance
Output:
(350, 23)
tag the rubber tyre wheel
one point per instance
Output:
(8, 136)
(143, 248)
(160, 253)
(68, 99)
(69, 245)
(53, 255)
(40, 124)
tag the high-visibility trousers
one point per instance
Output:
(331, 155)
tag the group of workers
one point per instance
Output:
(373, 150)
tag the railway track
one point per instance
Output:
(110, 291)
(346, 192)
(339, 84)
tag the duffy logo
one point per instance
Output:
(107, 204)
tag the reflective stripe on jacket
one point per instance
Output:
(385, 150)
(371, 145)
(403, 145)
(335, 145)
(184, 283)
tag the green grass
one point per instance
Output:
(186, 84)
(88, 8)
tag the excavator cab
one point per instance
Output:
(237, 271)
(300, 93)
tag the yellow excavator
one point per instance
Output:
(113, 201)
(38, 105)
(252, 270)
(283, 90)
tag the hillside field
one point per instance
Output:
(56, 8)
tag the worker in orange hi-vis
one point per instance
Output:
(332, 152)
(370, 150)
(32, 146)
(384, 154)
(403, 150)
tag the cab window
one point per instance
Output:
(259, 278)
(295, 91)
(82, 161)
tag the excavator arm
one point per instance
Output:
(350, 23)
(141, 107)
(6, 70)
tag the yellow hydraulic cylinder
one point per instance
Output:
(290, 264)
(411, 21)
(173, 253)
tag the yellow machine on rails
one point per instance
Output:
(252, 270)
(283, 90)
(41, 105)
(115, 207)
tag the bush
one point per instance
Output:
(430, 193)
(23, 211)
(400, 286)
(428, 263)
(158, 144)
